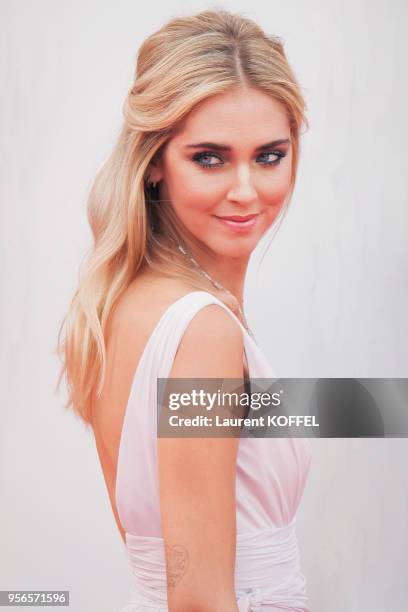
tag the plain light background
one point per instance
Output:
(329, 300)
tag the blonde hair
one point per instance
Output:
(180, 65)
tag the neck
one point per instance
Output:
(229, 272)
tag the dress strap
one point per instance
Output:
(172, 325)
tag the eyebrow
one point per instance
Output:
(223, 147)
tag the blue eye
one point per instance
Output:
(201, 158)
(207, 154)
(278, 154)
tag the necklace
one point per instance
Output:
(217, 285)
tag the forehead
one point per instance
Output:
(239, 115)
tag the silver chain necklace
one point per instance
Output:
(217, 285)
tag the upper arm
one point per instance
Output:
(197, 478)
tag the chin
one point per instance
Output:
(239, 248)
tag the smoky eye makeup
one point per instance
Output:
(269, 158)
(273, 158)
(202, 159)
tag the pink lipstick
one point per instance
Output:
(240, 223)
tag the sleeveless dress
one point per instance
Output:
(270, 479)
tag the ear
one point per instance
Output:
(155, 170)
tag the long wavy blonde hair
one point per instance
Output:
(183, 63)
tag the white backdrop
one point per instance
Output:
(331, 292)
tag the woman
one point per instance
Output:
(204, 166)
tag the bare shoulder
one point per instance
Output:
(214, 319)
(143, 302)
(212, 346)
(130, 324)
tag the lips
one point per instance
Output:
(239, 224)
(239, 218)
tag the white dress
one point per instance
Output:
(270, 479)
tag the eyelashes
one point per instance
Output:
(200, 157)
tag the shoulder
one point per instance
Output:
(212, 338)
(212, 346)
(214, 321)
(143, 302)
(130, 324)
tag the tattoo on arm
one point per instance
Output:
(177, 561)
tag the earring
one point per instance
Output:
(150, 184)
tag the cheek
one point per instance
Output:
(273, 194)
(193, 191)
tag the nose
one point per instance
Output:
(243, 189)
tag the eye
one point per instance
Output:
(201, 159)
(279, 155)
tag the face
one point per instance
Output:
(231, 158)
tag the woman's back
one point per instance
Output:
(270, 474)
(129, 328)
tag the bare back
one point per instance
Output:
(130, 325)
